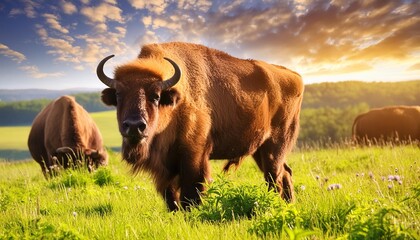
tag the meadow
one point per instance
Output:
(13, 139)
(342, 192)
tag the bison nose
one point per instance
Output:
(134, 128)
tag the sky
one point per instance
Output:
(58, 44)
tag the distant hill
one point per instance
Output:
(14, 95)
(350, 93)
(23, 112)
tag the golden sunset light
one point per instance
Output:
(210, 119)
(60, 43)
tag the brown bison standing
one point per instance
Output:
(397, 123)
(200, 104)
(63, 131)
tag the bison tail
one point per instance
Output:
(234, 161)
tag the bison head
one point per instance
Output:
(139, 92)
(92, 158)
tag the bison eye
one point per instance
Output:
(155, 98)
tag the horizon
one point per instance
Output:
(57, 46)
(87, 89)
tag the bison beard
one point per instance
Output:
(135, 154)
(217, 107)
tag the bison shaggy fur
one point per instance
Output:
(388, 124)
(181, 104)
(62, 133)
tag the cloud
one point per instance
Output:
(68, 7)
(147, 21)
(52, 21)
(318, 70)
(162, 23)
(34, 72)
(91, 53)
(336, 35)
(414, 67)
(79, 67)
(301, 6)
(227, 25)
(62, 45)
(15, 11)
(62, 48)
(157, 6)
(148, 37)
(12, 54)
(102, 13)
(97, 45)
(199, 5)
(84, 49)
(42, 32)
(29, 8)
(318, 37)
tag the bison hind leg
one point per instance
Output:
(277, 173)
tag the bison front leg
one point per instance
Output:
(168, 187)
(194, 173)
(287, 192)
(171, 196)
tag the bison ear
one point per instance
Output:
(109, 97)
(169, 97)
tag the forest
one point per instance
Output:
(328, 109)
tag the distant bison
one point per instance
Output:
(62, 132)
(395, 123)
(180, 104)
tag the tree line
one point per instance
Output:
(328, 109)
(23, 112)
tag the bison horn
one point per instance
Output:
(64, 150)
(174, 79)
(101, 75)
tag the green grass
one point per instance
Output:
(14, 137)
(112, 204)
(107, 124)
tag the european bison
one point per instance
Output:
(62, 133)
(395, 123)
(181, 104)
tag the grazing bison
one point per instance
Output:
(62, 132)
(180, 104)
(396, 124)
